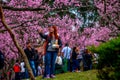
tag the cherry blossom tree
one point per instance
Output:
(109, 12)
(81, 22)
(25, 17)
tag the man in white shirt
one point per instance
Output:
(66, 52)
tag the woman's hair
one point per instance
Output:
(86, 51)
(55, 32)
(74, 49)
(28, 42)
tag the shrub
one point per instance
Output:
(109, 59)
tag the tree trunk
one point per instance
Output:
(16, 44)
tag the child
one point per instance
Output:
(22, 65)
(39, 70)
(17, 70)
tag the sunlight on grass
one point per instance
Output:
(87, 75)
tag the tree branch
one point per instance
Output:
(4, 30)
(103, 41)
(22, 9)
(104, 6)
(113, 21)
(16, 43)
(115, 24)
(12, 27)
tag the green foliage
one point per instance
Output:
(92, 48)
(109, 59)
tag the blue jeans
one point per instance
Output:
(50, 59)
(32, 65)
(26, 74)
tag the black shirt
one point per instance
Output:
(87, 58)
(30, 53)
(74, 55)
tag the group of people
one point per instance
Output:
(54, 57)
(33, 57)
(51, 47)
(74, 58)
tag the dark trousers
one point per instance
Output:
(79, 61)
(87, 65)
(22, 75)
(68, 65)
(17, 76)
(75, 64)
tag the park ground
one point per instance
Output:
(87, 75)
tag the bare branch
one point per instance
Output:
(22, 9)
(104, 6)
(12, 27)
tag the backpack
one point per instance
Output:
(1, 60)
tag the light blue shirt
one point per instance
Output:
(67, 52)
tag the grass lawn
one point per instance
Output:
(87, 75)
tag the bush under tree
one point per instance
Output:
(109, 59)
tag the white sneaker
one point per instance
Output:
(79, 71)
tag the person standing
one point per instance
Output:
(39, 69)
(87, 60)
(80, 58)
(75, 62)
(66, 52)
(53, 43)
(1, 60)
(37, 61)
(30, 53)
(1, 65)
